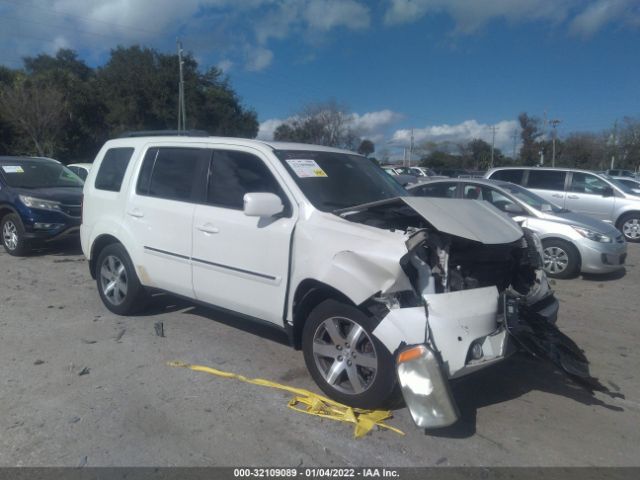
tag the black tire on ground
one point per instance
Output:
(631, 223)
(13, 238)
(561, 249)
(354, 361)
(117, 281)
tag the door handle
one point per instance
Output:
(556, 195)
(574, 197)
(208, 228)
(135, 213)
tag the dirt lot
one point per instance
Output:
(132, 409)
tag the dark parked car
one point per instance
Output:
(40, 200)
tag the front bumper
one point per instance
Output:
(49, 226)
(466, 331)
(602, 257)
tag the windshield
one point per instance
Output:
(332, 181)
(619, 184)
(38, 174)
(532, 199)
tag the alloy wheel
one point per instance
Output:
(10, 235)
(631, 229)
(345, 355)
(113, 279)
(556, 260)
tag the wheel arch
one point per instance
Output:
(570, 242)
(98, 245)
(308, 295)
(624, 214)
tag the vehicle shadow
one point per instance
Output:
(506, 381)
(605, 277)
(62, 248)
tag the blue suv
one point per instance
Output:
(40, 200)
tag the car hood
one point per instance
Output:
(584, 221)
(471, 219)
(64, 195)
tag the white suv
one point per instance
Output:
(377, 287)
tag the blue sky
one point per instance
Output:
(449, 69)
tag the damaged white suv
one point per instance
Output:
(377, 288)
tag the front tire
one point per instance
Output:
(118, 284)
(629, 225)
(561, 258)
(13, 237)
(345, 359)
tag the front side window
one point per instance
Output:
(333, 180)
(546, 179)
(26, 173)
(473, 192)
(173, 173)
(587, 183)
(499, 200)
(235, 173)
(112, 169)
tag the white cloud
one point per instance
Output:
(225, 65)
(461, 132)
(327, 14)
(369, 125)
(259, 58)
(267, 128)
(602, 13)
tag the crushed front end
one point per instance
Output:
(475, 281)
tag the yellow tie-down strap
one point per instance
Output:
(312, 403)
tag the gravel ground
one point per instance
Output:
(131, 409)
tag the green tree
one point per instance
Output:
(530, 134)
(366, 147)
(582, 150)
(139, 88)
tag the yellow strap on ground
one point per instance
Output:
(312, 403)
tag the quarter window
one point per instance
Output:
(235, 173)
(112, 169)
(546, 179)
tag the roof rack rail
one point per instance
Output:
(165, 133)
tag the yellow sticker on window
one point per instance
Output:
(306, 168)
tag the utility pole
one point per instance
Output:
(182, 116)
(515, 139)
(614, 141)
(493, 143)
(554, 124)
(411, 149)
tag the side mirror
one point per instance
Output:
(262, 204)
(513, 208)
(607, 192)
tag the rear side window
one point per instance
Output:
(173, 173)
(511, 175)
(112, 169)
(546, 179)
(235, 173)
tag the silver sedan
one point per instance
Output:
(571, 242)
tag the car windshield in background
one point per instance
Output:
(38, 174)
(332, 181)
(619, 184)
(532, 199)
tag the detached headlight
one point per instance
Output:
(592, 234)
(33, 202)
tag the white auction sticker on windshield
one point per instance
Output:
(12, 169)
(306, 168)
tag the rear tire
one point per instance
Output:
(629, 225)
(561, 258)
(13, 235)
(118, 284)
(345, 359)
